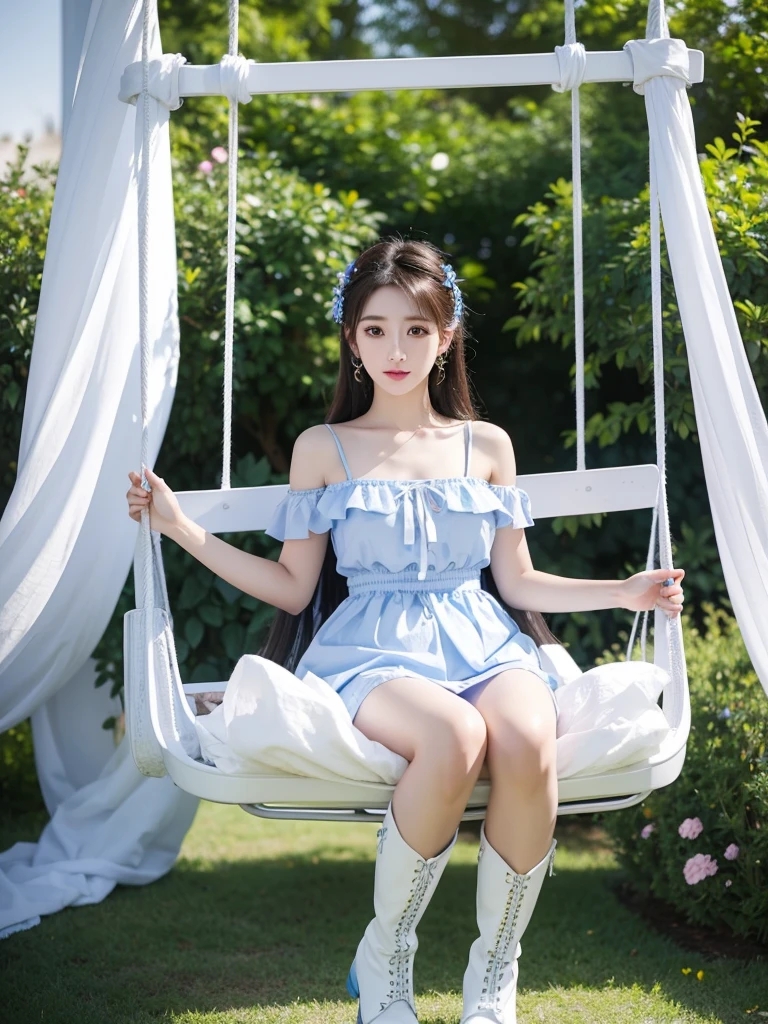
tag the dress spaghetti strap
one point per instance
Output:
(341, 451)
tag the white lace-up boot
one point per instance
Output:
(505, 902)
(381, 975)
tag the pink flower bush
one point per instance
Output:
(690, 828)
(219, 154)
(732, 852)
(205, 166)
(699, 867)
(647, 830)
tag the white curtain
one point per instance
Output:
(730, 420)
(66, 542)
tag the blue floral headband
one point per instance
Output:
(449, 281)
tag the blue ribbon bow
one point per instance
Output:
(418, 494)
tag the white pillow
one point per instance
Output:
(609, 717)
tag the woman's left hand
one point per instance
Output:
(645, 590)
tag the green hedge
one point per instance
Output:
(723, 788)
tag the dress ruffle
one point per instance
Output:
(296, 514)
(317, 508)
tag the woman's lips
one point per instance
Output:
(397, 375)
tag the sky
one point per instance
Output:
(30, 66)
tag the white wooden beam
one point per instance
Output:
(404, 73)
(568, 493)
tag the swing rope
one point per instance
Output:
(657, 28)
(572, 58)
(233, 73)
(143, 199)
(572, 61)
(229, 304)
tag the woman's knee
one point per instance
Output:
(469, 731)
(456, 745)
(521, 749)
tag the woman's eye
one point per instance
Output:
(368, 329)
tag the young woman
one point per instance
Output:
(428, 580)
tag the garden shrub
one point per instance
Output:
(701, 843)
(618, 356)
(19, 789)
(26, 200)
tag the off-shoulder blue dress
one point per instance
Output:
(412, 551)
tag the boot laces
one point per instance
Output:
(401, 960)
(497, 957)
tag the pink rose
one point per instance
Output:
(205, 166)
(691, 828)
(219, 154)
(699, 867)
(732, 852)
(647, 830)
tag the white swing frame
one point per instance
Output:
(158, 704)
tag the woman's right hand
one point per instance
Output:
(164, 510)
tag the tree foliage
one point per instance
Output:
(732, 34)
(618, 330)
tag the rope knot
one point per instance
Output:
(233, 78)
(572, 59)
(162, 80)
(657, 58)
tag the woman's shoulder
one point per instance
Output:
(310, 458)
(495, 445)
(491, 432)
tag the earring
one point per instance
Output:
(440, 363)
(357, 370)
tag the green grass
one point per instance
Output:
(259, 921)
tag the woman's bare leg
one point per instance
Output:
(521, 723)
(444, 738)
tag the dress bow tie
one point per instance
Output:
(418, 492)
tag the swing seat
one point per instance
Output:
(160, 716)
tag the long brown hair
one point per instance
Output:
(413, 266)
